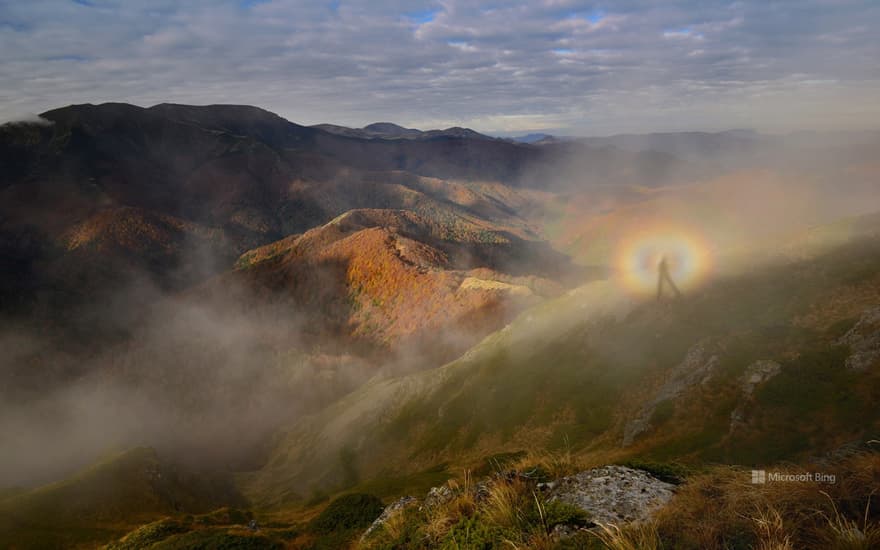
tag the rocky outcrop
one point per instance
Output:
(608, 495)
(390, 510)
(438, 496)
(863, 341)
(697, 367)
(756, 374)
(612, 494)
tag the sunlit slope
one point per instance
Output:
(387, 278)
(579, 370)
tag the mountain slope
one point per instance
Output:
(391, 276)
(565, 374)
(105, 501)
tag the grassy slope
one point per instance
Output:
(104, 501)
(568, 373)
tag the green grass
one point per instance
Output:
(104, 501)
(670, 472)
(352, 511)
(814, 399)
(388, 485)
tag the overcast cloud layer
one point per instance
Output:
(559, 65)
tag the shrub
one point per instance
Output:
(473, 534)
(553, 513)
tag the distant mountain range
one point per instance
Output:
(389, 130)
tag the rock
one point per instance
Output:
(863, 341)
(697, 367)
(612, 494)
(393, 508)
(482, 490)
(548, 486)
(438, 496)
(564, 531)
(756, 374)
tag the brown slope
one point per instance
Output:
(391, 279)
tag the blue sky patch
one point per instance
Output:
(422, 17)
(248, 4)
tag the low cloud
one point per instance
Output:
(28, 119)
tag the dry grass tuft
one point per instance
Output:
(504, 504)
(843, 533)
(553, 465)
(637, 536)
(722, 508)
(771, 531)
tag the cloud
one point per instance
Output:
(27, 119)
(595, 67)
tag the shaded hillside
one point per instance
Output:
(106, 500)
(581, 370)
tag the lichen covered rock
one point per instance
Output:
(612, 494)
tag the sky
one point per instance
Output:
(559, 66)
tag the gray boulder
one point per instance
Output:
(612, 494)
(438, 496)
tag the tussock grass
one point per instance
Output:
(550, 464)
(504, 511)
(843, 533)
(639, 536)
(721, 508)
(771, 531)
